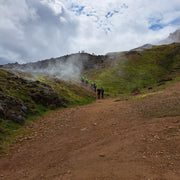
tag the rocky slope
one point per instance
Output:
(18, 97)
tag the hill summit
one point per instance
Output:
(66, 67)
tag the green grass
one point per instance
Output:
(40, 111)
(150, 68)
(148, 94)
(8, 132)
(73, 94)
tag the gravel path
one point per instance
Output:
(107, 140)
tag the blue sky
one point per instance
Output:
(32, 30)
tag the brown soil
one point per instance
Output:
(107, 140)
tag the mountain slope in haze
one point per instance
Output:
(66, 67)
(173, 37)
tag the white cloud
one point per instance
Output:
(32, 30)
(55, 5)
(38, 29)
(131, 26)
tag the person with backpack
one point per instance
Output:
(102, 93)
(92, 84)
(82, 79)
(99, 93)
(94, 87)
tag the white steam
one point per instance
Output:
(69, 68)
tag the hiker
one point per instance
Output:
(82, 79)
(102, 93)
(94, 87)
(102, 60)
(92, 84)
(98, 92)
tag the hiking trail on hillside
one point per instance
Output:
(110, 139)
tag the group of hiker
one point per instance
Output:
(93, 86)
(84, 80)
(99, 91)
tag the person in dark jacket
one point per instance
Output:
(102, 93)
(82, 79)
(99, 93)
(94, 87)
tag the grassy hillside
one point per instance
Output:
(140, 69)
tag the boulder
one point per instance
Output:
(46, 96)
(12, 109)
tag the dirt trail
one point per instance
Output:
(107, 140)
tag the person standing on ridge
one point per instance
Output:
(82, 79)
(92, 84)
(98, 92)
(102, 93)
(94, 87)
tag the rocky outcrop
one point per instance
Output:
(12, 109)
(20, 97)
(42, 93)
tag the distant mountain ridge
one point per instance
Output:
(65, 67)
(173, 37)
(75, 58)
(142, 48)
